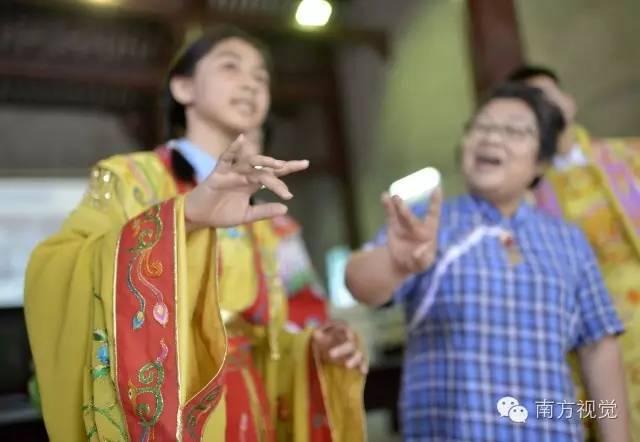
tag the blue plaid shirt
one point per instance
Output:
(497, 329)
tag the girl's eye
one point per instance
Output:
(262, 78)
(229, 66)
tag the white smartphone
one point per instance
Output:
(416, 186)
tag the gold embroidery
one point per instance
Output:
(103, 188)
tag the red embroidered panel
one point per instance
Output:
(319, 430)
(145, 325)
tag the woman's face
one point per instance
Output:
(500, 149)
(229, 88)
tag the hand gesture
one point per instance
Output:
(412, 242)
(222, 200)
(336, 342)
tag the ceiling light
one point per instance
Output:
(313, 13)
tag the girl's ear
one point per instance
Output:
(182, 89)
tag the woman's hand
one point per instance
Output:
(336, 342)
(412, 242)
(222, 200)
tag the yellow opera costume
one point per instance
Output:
(142, 332)
(602, 196)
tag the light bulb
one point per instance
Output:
(313, 13)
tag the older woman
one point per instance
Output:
(496, 294)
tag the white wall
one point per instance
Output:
(406, 112)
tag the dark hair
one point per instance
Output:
(526, 72)
(548, 116)
(185, 63)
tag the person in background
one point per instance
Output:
(158, 311)
(595, 183)
(496, 294)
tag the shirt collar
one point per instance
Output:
(491, 215)
(202, 163)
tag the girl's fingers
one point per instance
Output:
(264, 211)
(290, 167)
(269, 181)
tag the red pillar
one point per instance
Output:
(494, 41)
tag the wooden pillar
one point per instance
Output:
(494, 41)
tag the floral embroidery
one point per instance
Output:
(205, 404)
(151, 377)
(147, 195)
(147, 382)
(103, 189)
(231, 233)
(147, 230)
(102, 354)
(107, 412)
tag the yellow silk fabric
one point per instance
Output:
(69, 307)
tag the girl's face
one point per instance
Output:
(229, 88)
(500, 149)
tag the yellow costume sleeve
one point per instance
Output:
(116, 314)
(310, 400)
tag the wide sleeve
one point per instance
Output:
(311, 400)
(115, 305)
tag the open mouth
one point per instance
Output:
(245, 106)
(488, 160)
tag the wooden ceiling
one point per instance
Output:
(77, 52)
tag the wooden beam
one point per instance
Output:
(198, 12)
(286, 27)
(140, 78)
(494, 41)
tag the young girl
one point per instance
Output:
(149, 321)
(496, 295)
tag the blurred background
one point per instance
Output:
(382, 89)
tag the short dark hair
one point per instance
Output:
(548, 116)
(526, 72)
(185, 63)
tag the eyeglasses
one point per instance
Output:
(506, 131)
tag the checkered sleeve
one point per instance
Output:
(597, 314)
